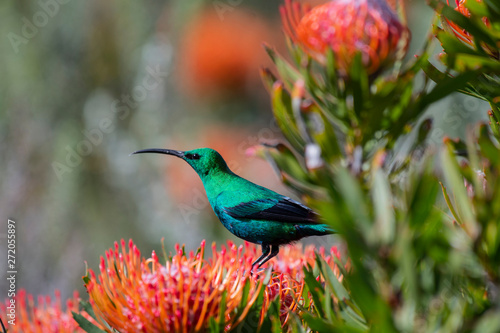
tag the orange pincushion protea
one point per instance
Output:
(48, 316)
(348, 27)
(288, 276)
(134, 294)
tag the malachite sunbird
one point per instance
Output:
(249, 211)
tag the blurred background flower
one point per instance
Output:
(219, 57)
(46, 315)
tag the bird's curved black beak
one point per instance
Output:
(177, 153)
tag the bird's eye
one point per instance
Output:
(193, 156)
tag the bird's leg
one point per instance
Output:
(265, 251)
(275, 249)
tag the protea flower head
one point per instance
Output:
(348, 27)
(47, 316)
(464, 35)
(134, 294)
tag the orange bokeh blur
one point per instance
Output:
(220, 55)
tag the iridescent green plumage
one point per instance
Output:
(249, 211)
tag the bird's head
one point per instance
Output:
(203, 160)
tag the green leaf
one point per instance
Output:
(488, 323)
(213, 327)
(446, 87)
(455, 181)
(385, 223)
(318, 324)
(494, 7)
(271, 322)
(349, 312)
(282, 109)
(422, 196)
(268, 78)
(479, 32)
(358, 85)
(315, 289)
(338, 289)
(450, 205)
(286, 71)
(222, 314)
(478, 8)
(488, 148)
(244, 296)
(85, 324)
(353, 197)
(432, 72)
(326, 137)
(87, 307)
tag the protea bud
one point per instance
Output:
(348, 27)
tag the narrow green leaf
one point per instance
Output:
(355, 317)
(317, 323)
(450, 205)
(268, 78)
(212, 325)
(455, 181)
(446, 87)
(282, 109)
(87, 307)
(488, 148)
(287, 72)
(316, 290)
(385, 223)
(222, 312)
(338, 289)
(353, 197)
(85, 324)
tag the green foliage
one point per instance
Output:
(472, 47)
(421, 257)
(83, 322)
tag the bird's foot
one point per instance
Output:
(257, 270)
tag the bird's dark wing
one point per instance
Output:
(283, 209)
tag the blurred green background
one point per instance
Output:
(85, 83)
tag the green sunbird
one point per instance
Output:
(249, 211)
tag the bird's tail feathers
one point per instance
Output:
(316, 230)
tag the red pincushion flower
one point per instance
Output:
(47, 316)
(134, 294)
(348, 27)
